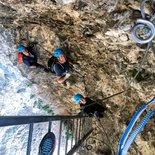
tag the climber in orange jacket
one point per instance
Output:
(28, 57)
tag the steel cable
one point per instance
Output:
(106, 135)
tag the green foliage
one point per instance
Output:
(41, 105)
(48, 109)
(29, 84)
(70, 136)
(32, 96)
(142, 76)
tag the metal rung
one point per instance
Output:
(67, 137)
(29, 139)
(49, 126)
(80, 130)
(59, 142)
(76, 134)
(72, 133)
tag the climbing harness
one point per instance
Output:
(144, 30)
(130, 134)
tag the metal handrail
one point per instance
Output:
(30, 120)
(19, 120)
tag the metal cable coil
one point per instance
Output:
(145, 24)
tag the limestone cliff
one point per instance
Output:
(96, 35)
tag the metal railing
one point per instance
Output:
(78, 126)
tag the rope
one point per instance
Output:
(139, 128)
(135, 133)
(139, 68)
(142, 8)
(106, 135)
(127, 140)
(127, 88)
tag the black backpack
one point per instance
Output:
(51, 62)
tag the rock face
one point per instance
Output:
(64, 1)
(95, 34)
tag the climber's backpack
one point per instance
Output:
(51, 62)
(20, 58)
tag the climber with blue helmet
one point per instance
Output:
(59, 65)
(21, 48)
(27, 56)
(78, 98)
(88, 106)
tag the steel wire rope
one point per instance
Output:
(143, 15)
(109, 144)
(106, 135)
(142, 8)
(138, 71)
(150, 44)
(130, 81)
(143, 60)
(82, 76)
(139, 68)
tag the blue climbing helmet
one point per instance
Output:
(21, 48)
(78, 98)
(58, 52)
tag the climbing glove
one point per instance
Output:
(68, 75)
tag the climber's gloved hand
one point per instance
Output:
(75, 66)
(68, 75)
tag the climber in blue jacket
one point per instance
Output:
(61, 66)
